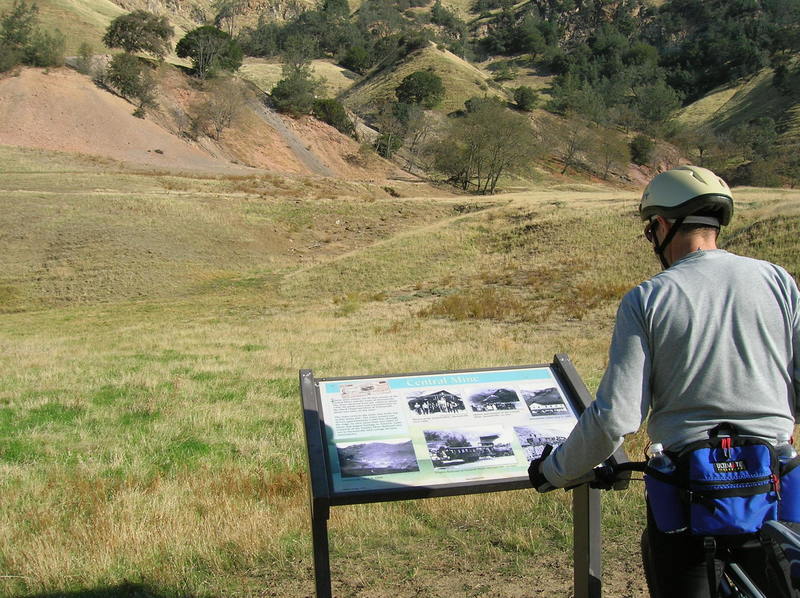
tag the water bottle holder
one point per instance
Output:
(723, 485)
(664, 498)
(789, 505)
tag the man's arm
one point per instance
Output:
(622, 402)
(796, 347)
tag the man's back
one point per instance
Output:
(720, 329)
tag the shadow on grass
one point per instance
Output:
(125, 590)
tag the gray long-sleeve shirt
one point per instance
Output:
(714, 338)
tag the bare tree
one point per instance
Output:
(574, 142)
(226, 12)
(483, 145)
(224, 102)
(612, 152)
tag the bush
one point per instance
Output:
(476, 103)
(357, 59)
(22, 42)
(9, 57)
(642, 148)
(85, 58)
(421, 87)
(333, 113)
(131, 79)
(45, 49)
(525, 98)
(387, 144)
(295, 94)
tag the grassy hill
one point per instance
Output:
(266, 73)
(731, 106)
(153, 327)
(461, 79)
(81, 21)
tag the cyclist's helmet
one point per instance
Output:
(685, 191)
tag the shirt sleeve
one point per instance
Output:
(796, 347)
(621, 404)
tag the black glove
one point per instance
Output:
(605, 478)
(537, 478)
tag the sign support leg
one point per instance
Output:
(587, 542)
(322, 562)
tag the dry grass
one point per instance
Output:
(731, 106)
(153, 445)
(265, 74)
(461, 82)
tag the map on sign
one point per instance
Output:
(428, 430)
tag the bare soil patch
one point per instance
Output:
(63, 110)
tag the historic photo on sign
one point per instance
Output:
(533, 439)
(486, 400)
(359, 459)
(469, 448)
(544, 401)
(441, 401)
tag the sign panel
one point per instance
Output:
(427, 430)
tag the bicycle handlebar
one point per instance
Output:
(606, 476)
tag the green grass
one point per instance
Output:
(151, 439)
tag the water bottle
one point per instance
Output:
(658, 459)
(783, 448)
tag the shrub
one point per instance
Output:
(525, 98)
(131, 79)
(387, 144)
(486, 304)
(45, 49)
(421, 87)
(9, 57)
(22, 42)
(357, 58)
(296, 92)
(642, 148)
(333, 112)
(85, 58)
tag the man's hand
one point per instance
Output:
(535, 475)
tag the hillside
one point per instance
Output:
(736, 104)
(461, 80)
(62, 110)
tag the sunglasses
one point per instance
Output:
(650, 230)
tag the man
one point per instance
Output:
(713, 338)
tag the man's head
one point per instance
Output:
(687, 199)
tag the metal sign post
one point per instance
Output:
(425, 469)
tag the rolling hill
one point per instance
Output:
(62, 110)
(461, 79)
(743, 101)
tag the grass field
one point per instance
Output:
(152, 328)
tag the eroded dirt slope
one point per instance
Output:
(60, 109)
(63, 110)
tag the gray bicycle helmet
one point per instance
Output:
(687, 190)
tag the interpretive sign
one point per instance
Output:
(420, 435)
(432, 430)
